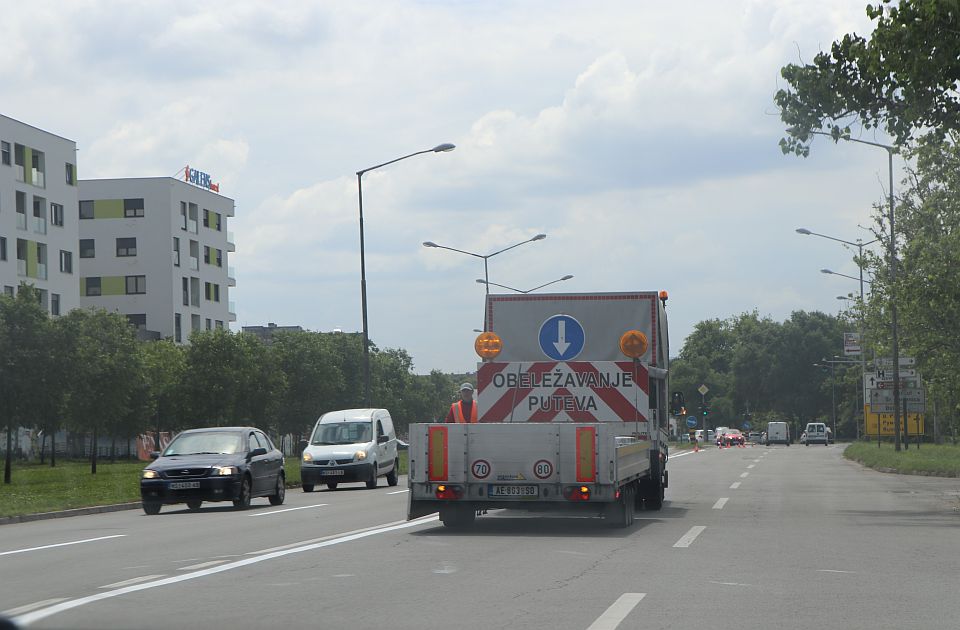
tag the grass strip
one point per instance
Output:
(942, 460)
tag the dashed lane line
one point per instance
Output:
(734, 485)
(720, 503)
(63, 544)
(687, 539)
(136, 580)
(617, 612)
(304, 507)
(744, 475)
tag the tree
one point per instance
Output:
(313, 378)
(163, 365)
(902, 79)
(24, 357)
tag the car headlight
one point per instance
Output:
(225, 471)
(307, 457)
(360, 456)
(149, 474)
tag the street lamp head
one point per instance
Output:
(803, 231)
(444, 148)
(844, 297)
(429, 244)
(567, 277)
(481, 281)
(539, 237)
(828, 271)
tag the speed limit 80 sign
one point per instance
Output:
(543, 469)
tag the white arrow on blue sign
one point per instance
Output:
(561, 337)
(692, 422)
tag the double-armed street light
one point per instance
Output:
(485, 257)
(503, 286)
(440, 148)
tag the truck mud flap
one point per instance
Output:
(416, 509)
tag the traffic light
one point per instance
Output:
(706, 410)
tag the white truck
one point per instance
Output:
(572, 413)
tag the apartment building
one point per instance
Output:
(156, 249)
(38, 220)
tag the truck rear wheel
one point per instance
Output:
(653, 494)
(620, 512)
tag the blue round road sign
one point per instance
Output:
(692, 422)
(746, 426)
(561, 338)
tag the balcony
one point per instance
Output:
(41, 271)
(232, 315)
(39, 225)
(21, 268)
(231, 276)
(195, 263)
(21, 221)
(38, 179)
(176, 259)
(231, 247)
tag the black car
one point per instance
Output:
(214, 464)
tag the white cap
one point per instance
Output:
(466, 386)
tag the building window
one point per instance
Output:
(195, 255)
(92, 286)
(136, 285)
(186, 292)
(218, 220)
(206, 255)
(208, 291)
(7, 289)
(86, 209)
(55, 304)
(216, 293)
(138, 320)
(219, 258)
(177, 330)
(176, 251)
(87, 248)
(206, 220)
(66, 261)
(194, 322)
(192, 224)
(5, 152)
(71, 176)
(183, 215)
(56, 214)
(126, 247)
(219, 323)
(3, 248)
(39, 215)
(133, 207)
(209, 324)
(21, 208)
(195, 296)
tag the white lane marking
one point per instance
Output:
(27, 608)
(74, 542)
(202, 565)
(617, 611)
(398, 491)
(743, 475)
(734, 485)
(136, 580)
(756, 461)
(833, 571)
(683, 454)
(690, 536)
(43, 613)
(720, 503)
(316, 540)
(446, 569)
(750, 466)
(305, 507)
(730, 583)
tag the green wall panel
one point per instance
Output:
(108, 209)
(32, 259)
(113, 285)
(28, 165)
(83, 287)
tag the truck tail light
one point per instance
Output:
(576, 493)
(445, 491)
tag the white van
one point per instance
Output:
(778, 433)
(816, 433)
(350, 445)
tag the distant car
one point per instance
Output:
(719, 434)
(732, 437)
(756, 437)
(816, 433)
(402, 445)
(214, 464)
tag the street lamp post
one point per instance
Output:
(440, 148)
(503, 286)
(485, 257)
(894, 333)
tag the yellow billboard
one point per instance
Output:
(913, 424)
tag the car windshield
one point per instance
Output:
(342, 433)
(204, 442)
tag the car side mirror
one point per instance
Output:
(154, 454)
(257, 452)
(303, 445)
(383, 439)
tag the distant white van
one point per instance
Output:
(350, 445)
(778, 433)
(816, 433)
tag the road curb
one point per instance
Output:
(43, 516)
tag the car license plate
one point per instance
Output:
(525, 492)
(184, 485)
(331, 472)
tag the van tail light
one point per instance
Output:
(576, 493)
(448, 492)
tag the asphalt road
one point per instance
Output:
(748, 538)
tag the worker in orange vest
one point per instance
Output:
(465, 409)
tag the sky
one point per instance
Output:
(641, 137)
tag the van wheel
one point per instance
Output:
(307, 487)
(372, 482)
(332, 485)
(151, 508)
(194, 505)
(392, 476)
